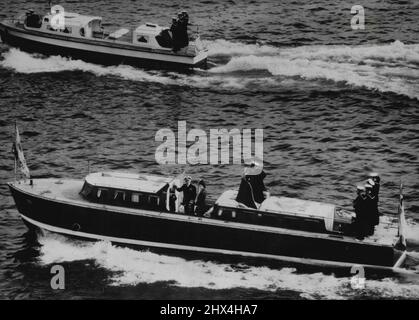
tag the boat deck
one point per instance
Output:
(68, 191)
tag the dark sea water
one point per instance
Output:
(334, 104)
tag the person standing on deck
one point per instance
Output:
(200, 201)
(258, 186)
(374, 199)
(245, 193)
(371, 208)
(172, 199)
(256, 176)
(376, 190)
(189, 195)
(183, 21)
(252, 190)
(174, 29)
(361, 221)
(375, 177)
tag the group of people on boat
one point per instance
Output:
(176, 37)
(252, 192)
(194, 198)
(179, 30)
(366, 206)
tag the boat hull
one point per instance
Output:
(169, 231)
(95, 51)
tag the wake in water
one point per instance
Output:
(385, 68)
(131, 267)
(23, 62)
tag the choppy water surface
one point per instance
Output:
(334, 103)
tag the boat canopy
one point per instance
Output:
(128, 181)
(78, 20)
(74, 24)
(285, 206)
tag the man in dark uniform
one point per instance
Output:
(374, 200)
(200, 201)
(258, 186)
(189, 195)
(174, 29)
(245, 194)
(371, 209)
(376, 188)
(172, 199)
(252, 190)
(183, 21)
(361, 221)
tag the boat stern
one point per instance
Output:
(201, 54)
(200, 60)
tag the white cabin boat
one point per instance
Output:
(83, 37)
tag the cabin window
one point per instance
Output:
(82, 32)
(87, 190)
(142, 39)
(33, 20)
(102, 195)
(119, 196)
(135, 197)
(220, 212)
(153, 200)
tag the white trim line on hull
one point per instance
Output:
(314, 262)
(105, 49)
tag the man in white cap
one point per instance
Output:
(371, 208)
(376, 179)
(374, 194)
(252, 190)
(189, 195)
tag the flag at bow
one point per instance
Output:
(20, 162)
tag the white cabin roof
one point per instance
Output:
(75, 19)
(299, 207)
(286, 206)
(128, 181)
(148, 29)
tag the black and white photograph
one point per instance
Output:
(209, 150)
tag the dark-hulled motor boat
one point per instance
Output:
(136, 209)
(83, 37)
